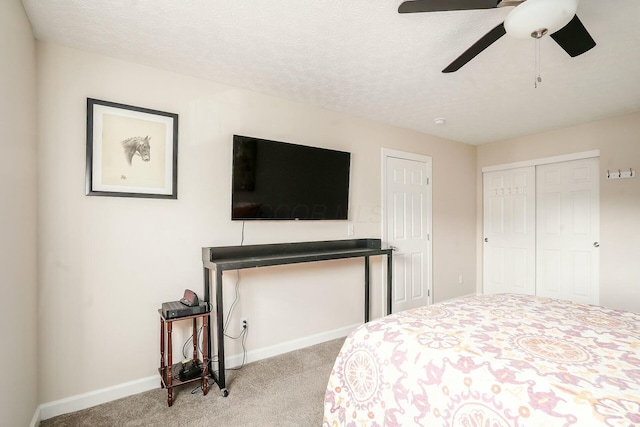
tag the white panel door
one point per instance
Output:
(568, 230)
(408, 223)
(509, 231)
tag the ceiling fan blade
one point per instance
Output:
(486, 41)
(574, 38)
(414, 6)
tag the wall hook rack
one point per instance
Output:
(621, 174)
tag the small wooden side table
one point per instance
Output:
(167, 378)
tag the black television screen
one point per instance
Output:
(281, 181)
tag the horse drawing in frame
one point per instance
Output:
(137, 146)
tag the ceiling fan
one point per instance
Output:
(529, 18)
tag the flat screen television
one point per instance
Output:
(281, 181)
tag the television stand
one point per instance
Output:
(220, 259)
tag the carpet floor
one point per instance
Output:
(286, 390)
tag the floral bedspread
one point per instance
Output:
(490, 361)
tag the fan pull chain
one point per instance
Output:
(537, 78)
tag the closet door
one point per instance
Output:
(567, 235)
(509, 231)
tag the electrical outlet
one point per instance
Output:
(243, 323)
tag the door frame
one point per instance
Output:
(543, 161)
(384, 154)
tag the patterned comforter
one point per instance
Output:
(490, 361)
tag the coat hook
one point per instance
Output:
(608, 174)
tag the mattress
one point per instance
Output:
(490, 361)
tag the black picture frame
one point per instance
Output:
(131, 151)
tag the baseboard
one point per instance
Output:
(263, 353)
(35, 421)
(97, 397)
(108, 394)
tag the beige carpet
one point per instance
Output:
(286, 390)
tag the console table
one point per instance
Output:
(220, 259)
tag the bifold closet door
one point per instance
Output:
(567, 236)
(509, 231)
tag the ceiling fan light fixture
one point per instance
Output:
(536, 16)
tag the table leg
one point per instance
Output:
(169, 365)
(389, 281)
(207, 285)
(220, 328)
(162, 367)
(366, 289)
(194, 334)
(205, 356)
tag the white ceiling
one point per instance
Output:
(362, 57)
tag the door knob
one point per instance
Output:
(596, 244)
(486, 239)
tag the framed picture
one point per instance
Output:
(131, 151)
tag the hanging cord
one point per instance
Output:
(188, 342)
(537, 78)
(243, 333)
(243, 337)
(233, 305)
(237, 290)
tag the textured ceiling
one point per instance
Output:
(362, 57)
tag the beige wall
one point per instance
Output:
(18, 278)
(618, 140)
(107, 263)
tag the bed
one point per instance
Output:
(490, 361)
